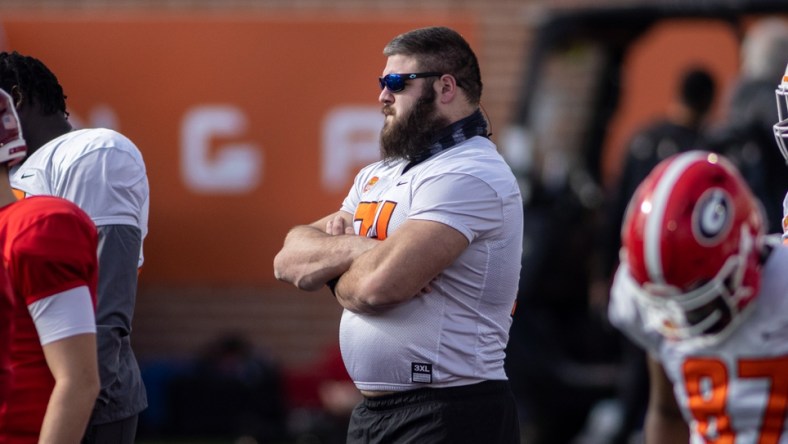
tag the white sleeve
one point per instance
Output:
(110, 185)
(464, 202)
(63, 315)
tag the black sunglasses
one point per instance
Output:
(396, 82)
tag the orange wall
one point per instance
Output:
(652, 71)
(195, 90)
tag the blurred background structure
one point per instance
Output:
(253, 116)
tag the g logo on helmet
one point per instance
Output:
(712, 217)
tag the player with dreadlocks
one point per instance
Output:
(103, 172)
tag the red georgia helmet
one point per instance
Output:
(689, 243)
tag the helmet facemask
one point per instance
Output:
(781, 127)
(709, 312)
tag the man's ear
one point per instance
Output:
(448, 88)
(17, 96)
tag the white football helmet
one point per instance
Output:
(12, 144)
(781, 127)
(690, 242)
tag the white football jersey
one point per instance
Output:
(456, 334)
(735, 391)
(98, 169)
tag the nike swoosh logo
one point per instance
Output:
(402, 183)
(775, 333)
(26, 175)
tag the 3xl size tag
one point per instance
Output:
(421, 372)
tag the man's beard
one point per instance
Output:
(407, 138)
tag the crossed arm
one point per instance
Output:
(373, 275)
(314, 254)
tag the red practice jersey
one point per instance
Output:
(6, 329)
(49, 247)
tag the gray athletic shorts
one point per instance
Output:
(479, 413)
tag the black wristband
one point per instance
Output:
(332, 284)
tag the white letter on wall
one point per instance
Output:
(230, 169)
(350, 139)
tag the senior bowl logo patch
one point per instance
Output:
(369, 184)
(712, 217)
